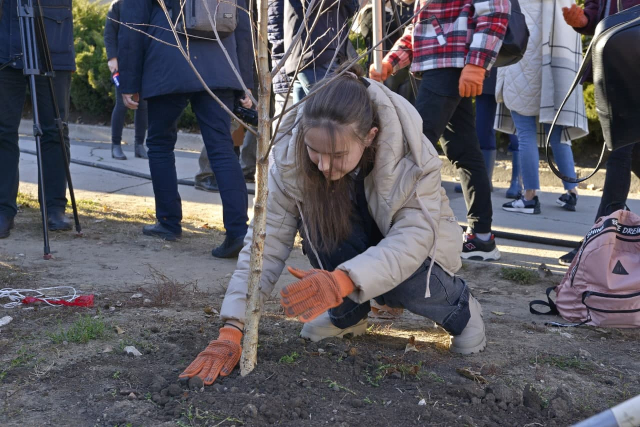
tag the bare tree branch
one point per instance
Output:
(294, 42)
(163, 6)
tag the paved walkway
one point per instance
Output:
(93, 183)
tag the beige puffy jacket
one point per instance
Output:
(406, 175)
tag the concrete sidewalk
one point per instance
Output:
(98, 184)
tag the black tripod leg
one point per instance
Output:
(65, 155)
(37, 133)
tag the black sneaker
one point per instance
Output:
(568, 201)
(158, 230)
(475, 248)
(523, 206)
(208, 183)
(230, 248)
(567, 258)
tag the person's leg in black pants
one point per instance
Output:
(13, 89)
(215, 125)
(617, 181)
(164, 112)
(53, 166)
(444, 113)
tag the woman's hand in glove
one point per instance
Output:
(315, 292)
(219, 358)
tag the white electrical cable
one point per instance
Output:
(17, 295)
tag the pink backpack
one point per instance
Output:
(602, 285)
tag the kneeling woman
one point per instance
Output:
(356, 176)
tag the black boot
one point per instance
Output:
(6, 224)
(58, 222)
(207, 184)
(158, 230)
(117, 153)
(230, 248)
(140, 152)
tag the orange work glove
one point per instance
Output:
(387, 69)
(219, 358)
(315, 293)
(575, 16)
(471, 80)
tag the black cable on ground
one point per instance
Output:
(500, 234)
(533, 239)
(123, 171)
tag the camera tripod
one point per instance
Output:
(35, 48)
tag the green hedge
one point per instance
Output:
(91, 87)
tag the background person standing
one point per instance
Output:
(111, 28)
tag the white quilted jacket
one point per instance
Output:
(537, 85)
(519, 86)
(404, 183)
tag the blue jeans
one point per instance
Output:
(485, 114)
(448, 304)
(215, 126)
(306, 79)
(527, 127)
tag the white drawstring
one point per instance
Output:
(432, 254)
(306, 232)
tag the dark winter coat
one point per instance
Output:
(111, 27)
(152, 68)
(275, 34)
(58, 23)
(594, 10)
(325, 38)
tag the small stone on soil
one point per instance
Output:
(132, 396)
(195, 383)
(250, 410)
(132, 351)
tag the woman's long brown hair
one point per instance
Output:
(342, 106)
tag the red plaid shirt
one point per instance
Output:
(451, 34)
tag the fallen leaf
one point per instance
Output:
(119, 330)
(410, 347)
(498, 313)
(472, 375)
(210, 311)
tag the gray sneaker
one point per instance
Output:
(472, 339)
(321, 328)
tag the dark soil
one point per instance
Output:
(530, 374)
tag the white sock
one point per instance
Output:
(484, 236)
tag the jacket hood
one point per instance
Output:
(401, 156)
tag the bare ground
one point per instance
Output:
(67, 366)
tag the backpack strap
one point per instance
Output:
(553, 310)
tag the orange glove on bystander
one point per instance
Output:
(471, 80)
(387, 69)
(575, 16)
(219, 358)
(315, 293)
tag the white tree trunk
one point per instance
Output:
(250, 343)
